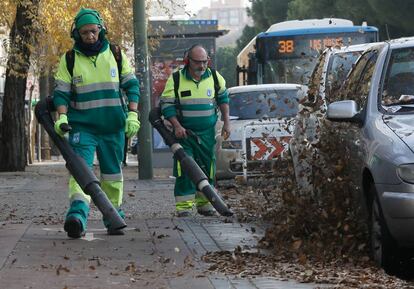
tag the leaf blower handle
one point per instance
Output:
(65, 127)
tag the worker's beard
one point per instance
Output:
(199, 72)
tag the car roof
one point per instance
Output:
(356, 47)
(261, 87)
(395, 43)
(401, 42)
(351, 48)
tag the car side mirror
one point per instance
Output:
(345, 111)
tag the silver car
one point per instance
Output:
(378, 102)
(262, 119)
(326, 79)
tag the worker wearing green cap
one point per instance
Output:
(88, 96)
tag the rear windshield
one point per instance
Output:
(338, 68)
(264, 104)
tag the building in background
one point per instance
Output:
(231, 15)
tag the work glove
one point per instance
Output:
(132, 124)
(63, 119)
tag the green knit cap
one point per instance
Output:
(87, 16)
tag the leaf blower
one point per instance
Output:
(77, 166)
(188, 165)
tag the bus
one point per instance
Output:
(287, 52)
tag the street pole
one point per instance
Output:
(142, 70)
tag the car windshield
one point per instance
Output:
(264, 104)
(398, 92)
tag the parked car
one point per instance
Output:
(378, 100)
(262, 120)
(326, 79)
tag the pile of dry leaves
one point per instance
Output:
(316, 233)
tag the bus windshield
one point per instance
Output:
(288, 70)
(291, 58)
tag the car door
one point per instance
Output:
(307, 128)
(357, 88)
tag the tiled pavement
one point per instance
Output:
(157, 252)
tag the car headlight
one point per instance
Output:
(406, 172)
(231, 144)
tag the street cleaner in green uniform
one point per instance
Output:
(190, 101)
(88, 97)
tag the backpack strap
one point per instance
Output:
(116, 51)
(216, 83)
(216, 87)
(176, 79)
(70, 61)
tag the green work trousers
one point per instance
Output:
(109, 149)
(201, 148)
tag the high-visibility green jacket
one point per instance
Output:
(196, 100)
(93, 94)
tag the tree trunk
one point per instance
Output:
(13, 145)
(28, 126)
(44, 92)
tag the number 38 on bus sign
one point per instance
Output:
(286, 46)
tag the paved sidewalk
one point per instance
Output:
(157, 251)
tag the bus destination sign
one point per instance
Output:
(288, 46)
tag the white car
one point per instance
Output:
(262, 122)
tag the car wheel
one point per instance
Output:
(385, 251)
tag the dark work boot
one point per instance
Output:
(73, 226)
(184, 213)
(76, 219)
